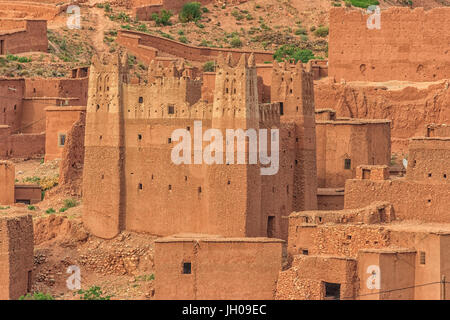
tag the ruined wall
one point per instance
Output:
(32, 37)
(220, 268)
(27, 193)
(59, 121)
(7, 179)
(16, 256)
(71, 166)
(29, 10)
(422, 195)
(305, 279)
(342, 145)
(137, 42)
(410, 45)
(27, 145)
(409, 108)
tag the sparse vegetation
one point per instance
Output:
(37, 296)
(236, 42)
(93, 293)
(291, 52)
(50, 211)
(31, 208)
(321, 32)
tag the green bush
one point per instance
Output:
(364, 3)
(50, 210)
(70, 203)
(300, 31)
(291, 52)
(37, 296)
(236, 42)
(93, 293)
(183, 39)
(142, 28)
(321, 31)
(32, 208)
(209, 66)
(190, 12)
(163, 18)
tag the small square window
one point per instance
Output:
(141, 99)
(169, 140)
(171, 109)
(187, 268)
(305, 252)
(61, 139)
(140, 136)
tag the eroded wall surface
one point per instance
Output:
(410, 45)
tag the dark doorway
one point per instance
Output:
(332, 291)
(29, 283)
(2, 46)
(271, 227)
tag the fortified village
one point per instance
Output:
(351, 200)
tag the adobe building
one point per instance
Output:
(59, 121)
(364, 254)
(206, 267)
(18, 35)
(126, 123)
(23, 116)
(7, 180)
(16, 255)
(342, 145)
(389, 242)
(423, 194)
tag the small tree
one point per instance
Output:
(191, 11)
(163, 18)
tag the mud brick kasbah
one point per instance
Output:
(358, 208)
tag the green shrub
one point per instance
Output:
(181, 32)
(163, 18)
(236, 42)
(205, 9)
(364, 3)
(50, 210)
(183, 39)
(32, 208)
(209, 66)
(300, 31)
(190, 12)
(142, 28)
(37, 296)
(93, 293)
(292, 52)
(321, 31)
(70, 203)
(63, 210)
(5, 208)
